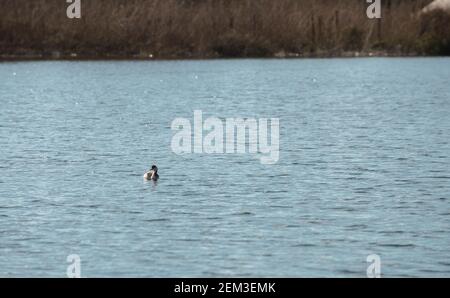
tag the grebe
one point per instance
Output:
(152, 174)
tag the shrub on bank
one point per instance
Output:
(219, 28)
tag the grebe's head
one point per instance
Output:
(154, 168)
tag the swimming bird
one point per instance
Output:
(152, 174)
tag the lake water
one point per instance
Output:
(364, 169)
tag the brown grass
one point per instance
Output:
(219, 28)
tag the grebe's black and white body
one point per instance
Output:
(152, 174)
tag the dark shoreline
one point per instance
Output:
(72, 57)
(220, 29)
